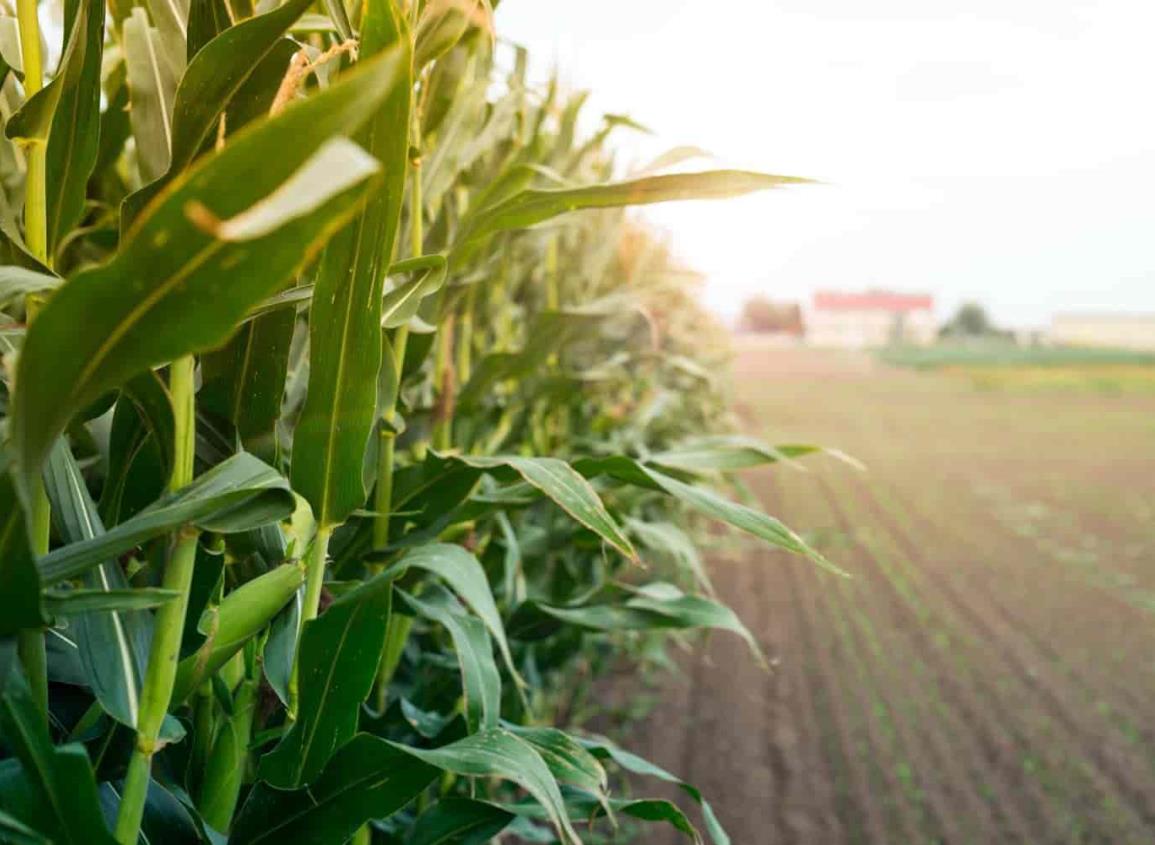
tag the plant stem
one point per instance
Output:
(315, 573)
(165, 652)
(35, 194)
(30, 642)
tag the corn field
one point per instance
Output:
(349, 426)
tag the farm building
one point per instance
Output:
(870, 318)
(1118, 331)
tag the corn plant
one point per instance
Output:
(338, 444)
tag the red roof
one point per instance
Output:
(873, 300)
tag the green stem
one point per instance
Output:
(35, 193)
(30, 642)
(314, 582)
(165, 652)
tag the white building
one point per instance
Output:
(1117, 331)
(870, 319)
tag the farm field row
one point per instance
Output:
(985, 676)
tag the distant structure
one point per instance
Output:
(1118, 331)
(764, 316)
(870, 318)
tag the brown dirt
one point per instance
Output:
(987, 674)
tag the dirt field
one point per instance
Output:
(988, 675)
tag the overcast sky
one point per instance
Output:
(996, 150)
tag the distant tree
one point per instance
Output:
(971, 320)
(760, 314)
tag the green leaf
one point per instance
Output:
(112, 642)
(281, 647)
(16, 281)
(669, 539)
(459, 821)
(499, 753)
(465, 576)
(19, 579)
(368, 778)
(401, 301)
(479, 678)
(726, 453)
(60, 779)
(706, 502)
(242, 614)
(82, 601)
(74, 142)
(152, 83)
(215, 74)
(237, 495)
(337, 664)
(567, 759)
(15, 832)
(175, 289)
(568, 489)
(345, 324)
(631, 762)
(244, 382)
(530, 207)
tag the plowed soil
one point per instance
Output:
(988, 673)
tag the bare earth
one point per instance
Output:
(988, 674)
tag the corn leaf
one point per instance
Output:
(480, 680)
(337, 663)
(499, 753)
(534, 206)
(237, 495)
(215, 74)
(465, 576)
(82, 601)
(65, 804)
(345, 326)
(19, 579)
(16, 281)
(152, 83)
(460, 821)
(113, 643)
(368, 778)
(568, 489)
(74, 141)
(174, 289)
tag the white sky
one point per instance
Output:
(998, 150)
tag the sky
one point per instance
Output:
(999, 151)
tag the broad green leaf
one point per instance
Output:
(569, 761)
(113, 643)
(568, 489)
(19, 579)
(61, 779)
(727, 453)
(479, 678)
(152, 81)
(499, 753)
(84, 601)
(631, 762)
(401, 301)
(237, 495)
(244, 382)
(706, 502)
(345, 324)
(337, 663)
(213, 77)
(140, 448)
(74, 142)
(242, 614)
(669, 539)
(281, 647)
(463, 573)
(15, 832)
(442, 24)
(459, 821)
(136, 309)
(534, 206)
(587, 808)
(368, 778)
(17, 281)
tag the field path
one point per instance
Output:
(987, 675)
